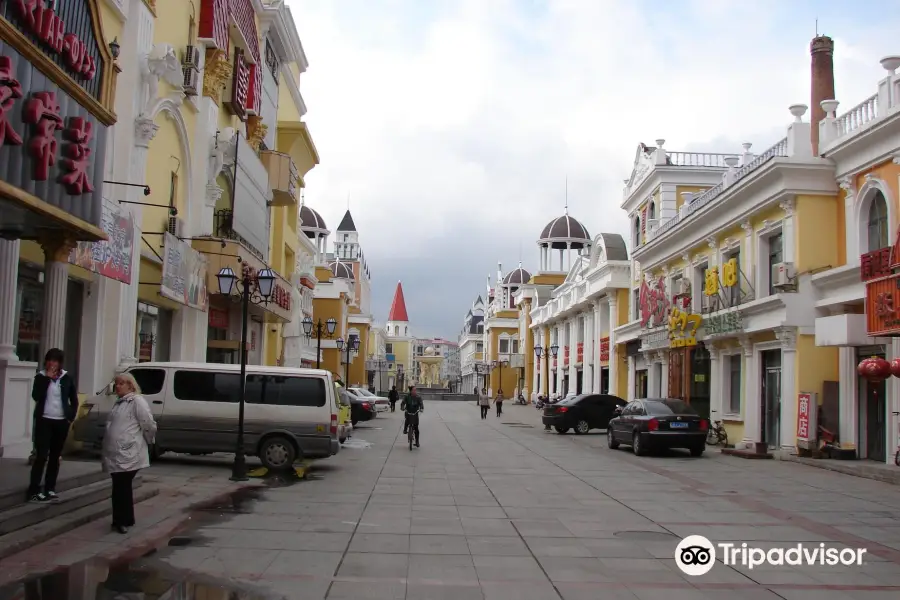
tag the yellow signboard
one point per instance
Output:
(711, 281)
(730, 273)
(683, 328)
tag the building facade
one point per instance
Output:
(471, 347)
(449, 351)
(399, 344)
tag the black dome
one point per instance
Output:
(341, 270)
(563, 230)
(518, 277)
(311, 219)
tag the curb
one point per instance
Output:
(854, 468)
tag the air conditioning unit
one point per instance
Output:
(683, 287)
(191, 57)
(191, 84)
(783, 275)
(175, 226)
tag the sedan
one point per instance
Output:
(360, 410)
(582, 413)
(656, 424)
(381, 404)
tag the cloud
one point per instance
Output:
(453, 125)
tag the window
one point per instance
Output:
(702, 302)
(504, 346)
(515, 346)
(635, 304)
(272, 61)
(479, 347)
(346, 236)
(396, 330)
(668, 407)
(207, 386)
(776, 255)
(388, 348)
(651, 212)
(878, 223)
(276, 390)
(734, 384)
(732, 294)
(406, 331)
(636, 241)
(149, 380)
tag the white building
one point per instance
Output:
(471, 346)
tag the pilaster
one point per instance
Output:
(663, 358)
(629, 393)
(613, 359)
(788, 420)
(572, 327)
(56, 285)
(9, 272)
(848, 391)
(587, 374)
(751, 406)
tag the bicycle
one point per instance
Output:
(717, 434)
(897, 453)
(411, 428)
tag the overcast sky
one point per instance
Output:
(452, 125)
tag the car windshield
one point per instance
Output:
(362, 392)
(668, 407)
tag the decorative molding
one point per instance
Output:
(144, 131)
(787, 206)
(686, 257)
(256, 131)
(216, 74)
(160, 63)
(848, 184)
(746, 345)
(213, 193)
(787, 336)
(711, 242)
(765, 225)
(896, 159)
(747, 226)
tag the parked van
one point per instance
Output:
(288, 413)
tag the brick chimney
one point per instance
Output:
(821, 50)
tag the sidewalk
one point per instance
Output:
(866, 469)
(183, 485)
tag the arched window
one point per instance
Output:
(406, 331)
(651, 212)
(878, 223)
(637, 232)
(396, 330)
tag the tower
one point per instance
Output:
(398, 319)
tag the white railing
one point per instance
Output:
(697, 204)
(856, 117)
(697, 159)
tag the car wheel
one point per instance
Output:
(611, 439)
(561, 430)
(277, 453)
(697, 451)
(582, 427)
(637, 446)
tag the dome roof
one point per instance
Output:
(341, 270)
(310, 219)
(563, 230)
(518, 277)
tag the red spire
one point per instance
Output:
(398, 306)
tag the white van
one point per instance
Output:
(288, 413)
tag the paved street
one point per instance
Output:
(500, 509)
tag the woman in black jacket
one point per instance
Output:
(55, 406)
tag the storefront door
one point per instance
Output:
(875, 425)
(579, 378)
(676, 375)
(771, 393)
(604, 380)
(699, 374)
(640, 384)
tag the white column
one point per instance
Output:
(56, 285)
(546, 356)
(652, 391)
(715, 383)
(629, 393)
(535, 372)
(891, 405)
(597, 324)
(572, 326)
(561, 341)
(788, 338)
(751, 405)
(663, 374)
(613, 359)
(9, 273)
(587, 363)
(848, 391)
(787, 230)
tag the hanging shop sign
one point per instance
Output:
(580, 352)
(184, 274)
(566, 356)
(874, 265)
(604, 349)
(723, 324)
(654, 303)
(109, 258)
(882, 304)
(281, 296)
(807, 420)
(653, 340)
(682, 328)
(218, 318)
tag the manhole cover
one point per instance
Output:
(650, 536)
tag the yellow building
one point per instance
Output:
(399, 344)
(723, 302)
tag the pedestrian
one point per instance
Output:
(484, 401)
(498, 402)
(55, 408)
(130, 429)
(393, 396)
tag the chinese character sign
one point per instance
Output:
(711, 281)
(184, 274)
(683, 328)
(604, 349)
(111, 258)
(873, 265)
(730, 273)
(653, 303)
(806, 407)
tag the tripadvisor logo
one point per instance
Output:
(695, 555)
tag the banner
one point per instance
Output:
(184, 274)
(111, 258)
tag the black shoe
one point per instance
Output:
(120, 529)
(405, 432)
(39, 498)
(417, 443)
(51, 496)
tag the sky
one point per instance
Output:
(453, 128)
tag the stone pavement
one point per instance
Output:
(500, 509)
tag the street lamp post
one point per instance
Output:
(538, 351)
(481, 369)
(321, 330)
(256, 288)
(351, 346)
(400, 375)
(499, 364)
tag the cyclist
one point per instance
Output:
(412, 405)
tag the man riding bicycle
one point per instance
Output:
(412, 405)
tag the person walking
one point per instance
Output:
(130, 429)
(393, 396)
(498, 402)
(484, 401)
(55, 408)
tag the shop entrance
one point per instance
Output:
(604, 380)
(771, 394)
(689, 374)
(872, 411)
(565, 389)
(640, 383)
(579, 378)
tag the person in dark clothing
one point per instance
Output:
(499, 403)
(393, 396)
(484, 401)
(56, 404)
(413, 405)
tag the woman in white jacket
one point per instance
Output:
(130, 429)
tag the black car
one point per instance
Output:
(655, 424)
(360, 409)
(582, 413)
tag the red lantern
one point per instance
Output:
(895, 367)
(874, 369)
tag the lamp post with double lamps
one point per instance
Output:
(499, 364)
(400, 376)
(482, 369)
(255, 287)
(318, 330)
(351, 346)
(538, 351)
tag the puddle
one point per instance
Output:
(144, 579)
(237, 503)
(356, 444)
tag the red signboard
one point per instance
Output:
(218, 318)
(566, 356)
(580, 351)
(216, 17)
(604, 349)
(882, 295)
(240, 86)
(281, 297)
(804, 408)
(874, 265)
(653, 303)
